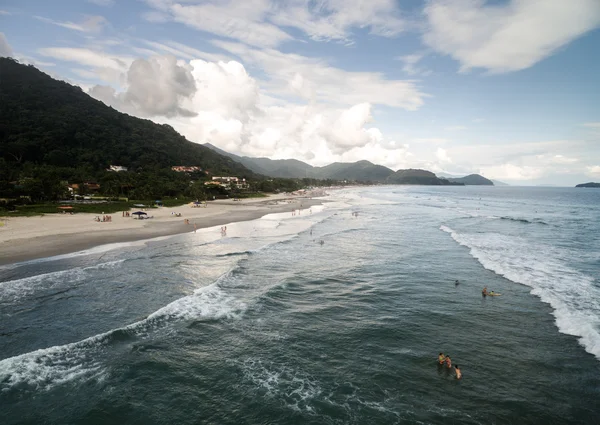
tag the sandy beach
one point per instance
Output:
(27, 238)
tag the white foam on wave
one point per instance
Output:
(295, 388)
(14, 290)
(46, 368)
(574, 297)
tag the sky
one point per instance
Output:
(509, 89)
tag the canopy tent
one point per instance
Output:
(139, 213)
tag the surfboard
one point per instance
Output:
(494, 295)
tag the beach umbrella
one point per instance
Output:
(139, 213)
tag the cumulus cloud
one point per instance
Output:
(442, 156)
(506, 37)
(91, 24)
(5, 49)
(155, 87)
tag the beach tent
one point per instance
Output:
(139, 213)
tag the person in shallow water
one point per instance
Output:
(456, 282)
(484, 292)
(458, 372)
(441, 358)
(448, 362)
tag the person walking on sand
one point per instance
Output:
(458, 372)
(195, 227)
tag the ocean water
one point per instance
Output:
(266, 325)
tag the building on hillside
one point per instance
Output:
(87, 188)
(229, 182)
(116, 168)
(186, 169)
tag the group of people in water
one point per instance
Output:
(485, 293)
(444, 360)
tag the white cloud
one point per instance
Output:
(91, 24)
(410, 64)
(155, 87)
(105, 3)
(4, 12)
(556, 159)
(5, 49)
(292, 74)
(184, 52)
(511, 172)
(594, 170)
(442, 156)
(508, 37)
(227, 18)
(108, 67)
(334, 19)
(260, 22)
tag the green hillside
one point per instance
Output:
(422, 177)
(52, 133)
(472, 180)
(359, 171)
(45, 121)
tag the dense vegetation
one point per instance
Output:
(52, 135)
(412, 176)
(590, 184)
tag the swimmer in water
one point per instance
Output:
(448, 362)
(441, 358)
(458, 372)
(484, 292)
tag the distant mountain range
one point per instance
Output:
(363, 171)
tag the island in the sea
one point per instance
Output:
(590, 184)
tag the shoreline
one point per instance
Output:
(30, 238)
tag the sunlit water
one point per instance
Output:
(266, 325)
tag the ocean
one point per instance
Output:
(267, 325)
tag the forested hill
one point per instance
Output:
(52, 123)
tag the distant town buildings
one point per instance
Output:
(116, 168)
(228, 182)
(185, 169)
